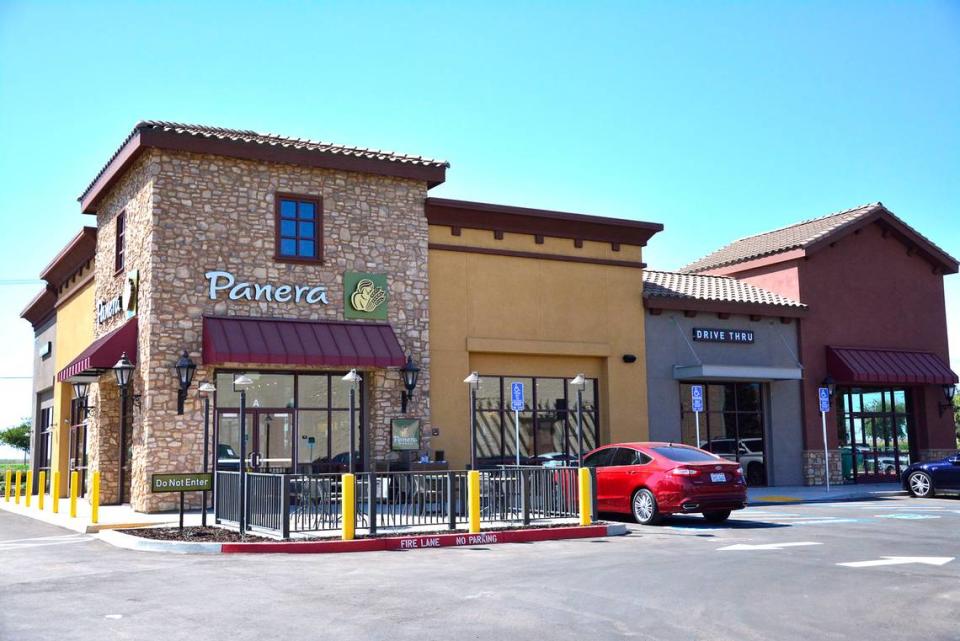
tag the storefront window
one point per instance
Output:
(548, 422)
(289, 417)
(874, 431)
(731, 425)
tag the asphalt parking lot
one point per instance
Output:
(772, 572)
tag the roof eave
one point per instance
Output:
(723, 307)
(75, 254)
(146, 138)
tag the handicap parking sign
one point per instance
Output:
(696, 397)
(516, 397)
(824, 399)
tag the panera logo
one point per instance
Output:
(224, 283)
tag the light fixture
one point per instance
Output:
(81, 389)
(410, 373)
(473, 380)
(830, 384)
(949, 391)
(242, 381)
(185, 369)
(579, 380)
(352, 377)
(206, 387)
(123, 370)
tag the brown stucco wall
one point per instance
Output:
(512, 316)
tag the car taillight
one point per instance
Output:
(684, 471)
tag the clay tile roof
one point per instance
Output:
(269, 144)
(794, 236)
(246, 135)
(658, 284)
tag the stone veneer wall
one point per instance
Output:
(813, 467)
(188, 214)
(133, 196)
(936, 455)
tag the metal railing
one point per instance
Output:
(411, 499)
(281, 504)
(315, 502)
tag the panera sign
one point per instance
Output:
(711, 335)
(224, 285)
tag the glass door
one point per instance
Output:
(78, 443)
(273, 442)
(874, 434)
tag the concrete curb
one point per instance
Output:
(131, 542)
(872, 496)
(413, 542)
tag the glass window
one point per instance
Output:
(626, 456)
(312, 391)
(874, 426)
(488, 394)
(313, 446)
(298, 231)
(120, 247)
(684, 454)
(601, 458)
(270, 390)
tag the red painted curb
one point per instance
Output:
(418, 542)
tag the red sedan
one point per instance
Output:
(649, 480)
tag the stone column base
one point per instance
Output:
(813, 472)
(935, 455)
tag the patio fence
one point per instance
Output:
(283, 504)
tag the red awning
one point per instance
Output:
(295, 342)
(103, 353)
(887, 366)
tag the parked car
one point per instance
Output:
(747, 451)
(926, 479)
(555, 459)
(649, 480)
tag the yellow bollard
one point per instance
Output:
(29, 489)
(349, 508)
(74, 485)
(40, 490)
(16, 488)
(585, 510)
(473, 495)
(55, 492)
(95, 498)
(7, 485)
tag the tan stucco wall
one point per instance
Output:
(508, 315)
(74, 334)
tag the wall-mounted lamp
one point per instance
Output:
(830, 384)
(949, 391)
(410, 373)
(185, 369)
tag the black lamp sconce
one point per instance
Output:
(410, 373)
(185, 369)
(949, 391)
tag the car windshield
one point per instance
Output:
(684, 454)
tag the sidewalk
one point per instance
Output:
(110, 517)
(819, 494)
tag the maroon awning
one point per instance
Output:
(887, 366)
(103, 353)
(296, 342)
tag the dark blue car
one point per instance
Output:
(923, 480)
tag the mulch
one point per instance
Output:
(195, 535)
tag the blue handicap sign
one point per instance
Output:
(696, 397)
(516, 397)
(824, 399)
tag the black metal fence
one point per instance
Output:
(281, 504)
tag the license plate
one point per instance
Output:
(718, 477)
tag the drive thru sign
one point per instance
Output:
(516, 404)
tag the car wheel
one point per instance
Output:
(645, 507)
(920, 485)
(717, 516)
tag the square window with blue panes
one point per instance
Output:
(299, 232)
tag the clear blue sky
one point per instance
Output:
(718, 120)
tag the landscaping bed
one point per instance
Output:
(195, 535)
